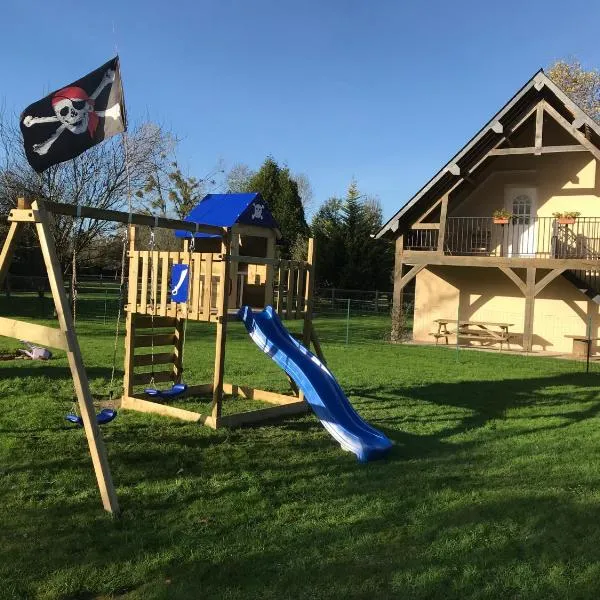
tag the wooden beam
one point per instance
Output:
(429, 211)
(515, 279)
(32, 332)
(415, 257)
(74, 357)
(256, 394)
(398, 267)
(541, 150)
(539, 127)
(425, 226)
(497, 127)
(548, 278)
(272, 412)
(529, 310)
(221, 338)
(8, 249)
(309, 292)
(442, 232)
(454, 169)
(580, 137)
(410, 275)
(100, 214)
(165, 410)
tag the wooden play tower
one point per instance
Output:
(229, 264)
(239, 268)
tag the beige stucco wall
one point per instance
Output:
(486, 294)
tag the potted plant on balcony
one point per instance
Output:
(566, 218)
(501, 216)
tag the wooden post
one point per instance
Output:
(222, 306)
(233, 269)
(80, 381)
(308, 292)
(529, 309)
(398, 267)
(270, 269)
(442, 230)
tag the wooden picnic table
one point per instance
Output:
(474, 330)
(581, 344)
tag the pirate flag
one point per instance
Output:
(69, 121)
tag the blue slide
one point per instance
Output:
(320, 388)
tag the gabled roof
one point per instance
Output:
(493, 133)
(227, 210)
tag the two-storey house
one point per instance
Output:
(538, 156)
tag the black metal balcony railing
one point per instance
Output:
(539, 237)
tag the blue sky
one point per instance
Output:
(380, 90)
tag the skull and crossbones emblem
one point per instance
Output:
(75, 112)
(258, 211)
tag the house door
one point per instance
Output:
(521, 202)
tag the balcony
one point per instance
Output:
(522, 237)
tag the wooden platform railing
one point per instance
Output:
(151, 271)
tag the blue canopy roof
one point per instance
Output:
(225, 210)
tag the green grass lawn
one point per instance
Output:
(491, 491)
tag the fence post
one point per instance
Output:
(376, 301)
(348, 322)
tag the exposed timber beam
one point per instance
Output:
(535, 150)
(443, 216)
(497, 127)
(514, 278)
(100, 214)
(425, 226)
(410, 275)
(539, 127)
(574, 132)
(548, 278)
(454, 169)
(417, 257)
(429, 211)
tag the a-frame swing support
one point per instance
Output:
(63, 338)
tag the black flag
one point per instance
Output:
(74, 118)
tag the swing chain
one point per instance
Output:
(119, 311)
(191, 246)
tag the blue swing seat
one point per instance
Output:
(106, 415)
(175, 390)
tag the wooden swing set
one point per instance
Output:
(154, 320)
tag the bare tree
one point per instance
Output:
(304, 190)
(100, 177)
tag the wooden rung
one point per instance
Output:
(145, 341)
(145, 322)
(145, 360)
(144, 378)
(34, 333)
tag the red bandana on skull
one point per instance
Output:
(75, 110)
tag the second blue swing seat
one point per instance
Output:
(106, 415)
(176, 390)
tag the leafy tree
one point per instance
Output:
(581, 85)
(328, 230)
(348, 256)
(280, 192)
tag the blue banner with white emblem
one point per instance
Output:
(180, 280)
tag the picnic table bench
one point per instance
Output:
(474, 330)
(581, 344)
